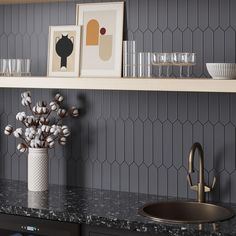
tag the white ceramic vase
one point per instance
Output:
(38, 169)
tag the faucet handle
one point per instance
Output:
(193, 187)
(207, 188)
(189, 179)
(213, 183)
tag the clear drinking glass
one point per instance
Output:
(144, 64)
(1, 67)
(159, 59)
(26, 67)
(180, 59)
(18, 67)
(157, 62)
(5, 67)
(129, 59)
(191, 61)
(12, 67)
(169, 62)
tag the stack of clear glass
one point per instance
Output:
(15, 67)
(129, 59)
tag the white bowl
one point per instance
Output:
(222, 70)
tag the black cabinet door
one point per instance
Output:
(11, 225)
(87, 230)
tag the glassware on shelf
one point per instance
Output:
(129, 59)
(168, 63)
(144, 64)
(26, 67)
(162, 59)
(15, 67)
(157, 60)
(182, 59)
(12, 67)
(1, 68)
(5, 67)
(191, 61)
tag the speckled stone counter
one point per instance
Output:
(112, 209)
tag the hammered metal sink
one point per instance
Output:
(179, 212)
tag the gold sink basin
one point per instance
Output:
(179, 212)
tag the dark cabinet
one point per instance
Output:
(87, 230)
(11, 225)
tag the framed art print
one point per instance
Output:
(102, 35)
(64, 51)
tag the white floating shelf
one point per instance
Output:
(136, 84)
(28, 1)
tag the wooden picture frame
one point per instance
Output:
(102, 36)
(64, 51)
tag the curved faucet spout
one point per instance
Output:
(196, 146)
(200, 187)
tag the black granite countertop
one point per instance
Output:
(95, 207)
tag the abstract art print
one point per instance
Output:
(102, 35)
(64, 51)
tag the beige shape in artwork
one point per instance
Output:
(92, 33)
(105, 47)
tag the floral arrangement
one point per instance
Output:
(41, 130)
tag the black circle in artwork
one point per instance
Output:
(64, 48)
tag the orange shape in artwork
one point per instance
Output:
(92, 33)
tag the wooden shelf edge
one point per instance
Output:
(131, 84)
(10, 2)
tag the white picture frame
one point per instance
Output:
(101, 55)
(61, 38)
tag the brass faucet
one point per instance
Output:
(200, 187)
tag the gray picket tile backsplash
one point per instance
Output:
(133, 141)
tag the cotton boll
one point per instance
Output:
(45, 128)
(65, 131)
(20, 116)
(26, 100)
(64, 127)
(22, 147)
(51, 144)
(35, 143)
(28, 133)
(28, 139)
(32, 144)
(74, 112)
(53, 129)
(62, 140)
(32, 130)
(57, 130)
(26, 94)
(34, 110)
(59, 98)
(54, 106)
(39, 110)
(61, 113)
(42, 120)
(8, 130)
(29, 121)
(41, 104)
(45, 110)
(39, 132)
(18, 133)
(50, 139)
